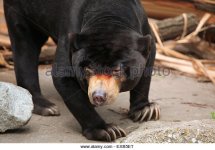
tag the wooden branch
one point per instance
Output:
(204, 70)
(170, 52)
(183, 66)
(173, 60)
(4, 63)
(196, 47)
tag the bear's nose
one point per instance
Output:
(99, 98)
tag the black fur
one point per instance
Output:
(87, 32)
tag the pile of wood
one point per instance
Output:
(185, 43)
(189, 54)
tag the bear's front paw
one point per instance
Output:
(44, 107)
(148, 112)
(110, 133)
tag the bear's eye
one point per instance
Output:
(117, 72)
(89, 71)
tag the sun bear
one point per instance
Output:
(104, 47)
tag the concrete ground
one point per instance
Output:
(181, 99)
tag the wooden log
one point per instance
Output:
(4, 41)
(175, 27)
(161, 9)
(208, 35)
(206, 5)
(2, 61)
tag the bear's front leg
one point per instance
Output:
(140, 108)
(93, 126)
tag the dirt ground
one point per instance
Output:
(181, 99)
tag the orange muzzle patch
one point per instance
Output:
(105, 83)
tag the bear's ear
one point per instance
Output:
(74, 43)
(144, 45)
(78, 41)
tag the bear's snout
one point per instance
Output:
(99, 98)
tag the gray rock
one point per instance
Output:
(199, 131)
(15, 106)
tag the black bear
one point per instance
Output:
(104, 47)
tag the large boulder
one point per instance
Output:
(199, 131)
(16, 106)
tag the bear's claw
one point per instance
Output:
(110, 133)
(150, 112)
(44, 107)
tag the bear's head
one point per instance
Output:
(107, 62)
